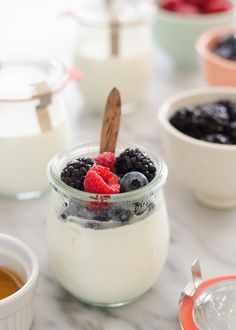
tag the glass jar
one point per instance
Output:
(33, 125)
(208, 304)
(107, 250)
(114, 49)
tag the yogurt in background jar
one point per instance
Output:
(33, 125)
(129, 67)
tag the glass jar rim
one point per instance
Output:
(56, 77)
(129, 14)
(54, 167)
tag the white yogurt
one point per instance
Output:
(130, 72)
(109, 266)
(25, 151)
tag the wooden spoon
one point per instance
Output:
(111, 122)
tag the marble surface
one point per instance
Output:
(196, 231)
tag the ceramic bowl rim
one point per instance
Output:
(164, 110)
(33, 278)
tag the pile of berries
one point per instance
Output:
(194, 7)
(108, 174)
(226, 47)
(212, 122)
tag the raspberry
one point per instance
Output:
(170, 5)
(100, 180)
(187, 9)
(215, 6)
(106, 159)
(197, 3)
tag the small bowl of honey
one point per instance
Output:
(19, 272)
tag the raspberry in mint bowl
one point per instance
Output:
(179, 24)
(98, 233)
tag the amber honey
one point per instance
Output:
(10, 282)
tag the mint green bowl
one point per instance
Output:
(177, 34)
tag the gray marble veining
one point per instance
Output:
(196, 231)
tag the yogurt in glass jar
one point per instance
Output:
(106, 249)
(114, 49)
(33, 125)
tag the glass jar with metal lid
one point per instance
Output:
(114, 49)
(208, 304)
(33, 125)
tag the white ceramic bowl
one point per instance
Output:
(16, 311)
(207, 169)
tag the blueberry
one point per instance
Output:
(92, 225)
(151, 206)
(132, 181)
(102, 215)
(121, 214)
(63, 216)
(77, 209)
(140, 207)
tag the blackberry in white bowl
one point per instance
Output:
(198, 130)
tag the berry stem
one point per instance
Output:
(111, 122)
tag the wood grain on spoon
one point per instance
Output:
(111, 122)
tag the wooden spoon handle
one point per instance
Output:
(111, 122)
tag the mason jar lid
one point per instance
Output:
(208, 304)
(127, 12)
(19, 79)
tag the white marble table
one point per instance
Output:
(196, 231)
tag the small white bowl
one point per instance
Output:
(207, 169)
(16, 311)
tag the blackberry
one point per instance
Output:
(185, 121)
(216, 138)
(212, 122)
(228, 40)
(225, 52)
(231, 130)
(74, 172)
(135, 160)
(226, 47)
(230, 106)
(213, 118)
